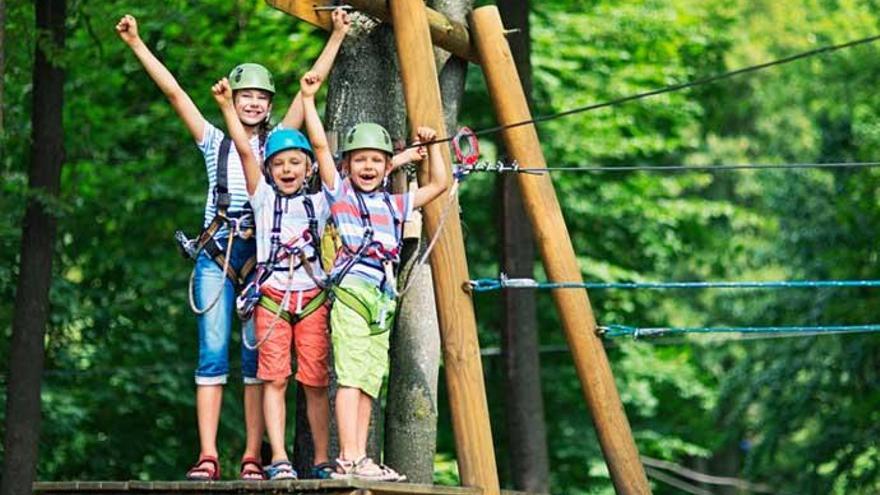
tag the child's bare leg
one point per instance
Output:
(347, 400)
(275, 412)
(253, 419)
(365, 408)
(318, 411)
(208, 401)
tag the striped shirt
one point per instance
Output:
(347, 217)
(210, 148)
(294, 223)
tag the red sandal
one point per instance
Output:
(251, 470)
(206, 469)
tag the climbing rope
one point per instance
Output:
(494, 284)
(668, 89)
(447, 209)
(501, 167)
(640, 332)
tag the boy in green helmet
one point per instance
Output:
(370, 223)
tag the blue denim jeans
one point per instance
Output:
(215, 326)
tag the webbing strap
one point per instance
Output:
(354, 303)
(292, 318)
(219, 257)
(222, 198)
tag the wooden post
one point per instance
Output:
(455, 311)
(558, 255)
(447, 34)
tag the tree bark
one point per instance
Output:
(31, 311)
(527, 435)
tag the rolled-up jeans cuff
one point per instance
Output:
(211, 380)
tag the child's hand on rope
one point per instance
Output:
(127, 29)
(310, 84)
(341, 21)
(222, 93)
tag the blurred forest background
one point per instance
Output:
(800, 415)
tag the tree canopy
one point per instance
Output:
(799, 414)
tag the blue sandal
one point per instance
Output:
(323, 471)
(280, 470)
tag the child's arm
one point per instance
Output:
(223, 94)
(409, 155)
(437, 183)
(341, 23)
(180, 101)
(309, 85)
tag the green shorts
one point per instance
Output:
(360, 345)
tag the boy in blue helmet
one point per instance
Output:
(290, 310)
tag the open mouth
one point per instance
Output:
(288, 181)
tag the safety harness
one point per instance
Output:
(296, 257)
(239, 224)
(366, 252)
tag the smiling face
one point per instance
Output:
(367, 168)
(289, 169)
(252, 106)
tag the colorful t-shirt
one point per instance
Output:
(346, 211)
(294, 231)
(235, 182)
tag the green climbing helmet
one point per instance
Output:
(367, 136)
(251, 76)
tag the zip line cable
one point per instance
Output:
(639, 332)
(692, 168)
(669, 89)
(493, 284)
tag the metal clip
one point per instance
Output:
(518, 283)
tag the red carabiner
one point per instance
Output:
(473, 145)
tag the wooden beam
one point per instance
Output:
(445, 33)
(560, 263)
(455, 311)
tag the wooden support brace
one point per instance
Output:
(445, 33)
(455, 311)
(551, 234)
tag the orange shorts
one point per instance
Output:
(309, 336)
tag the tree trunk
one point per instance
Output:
(31, 311)
(525, 412)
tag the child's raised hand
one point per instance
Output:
(310, 83)
(127, 29)
(425, 135)
(341, 21)
(222, 92)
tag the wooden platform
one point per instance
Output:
(340, 487)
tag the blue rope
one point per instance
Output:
(638, 332)
(493, 284)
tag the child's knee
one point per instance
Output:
(279, 384)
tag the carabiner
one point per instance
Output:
(473, 145)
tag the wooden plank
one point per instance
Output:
(447, 34)
(349, 486)
(455, 310)
(560, 263)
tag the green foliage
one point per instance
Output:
(798, 414)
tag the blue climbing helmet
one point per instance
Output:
(287, 139)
